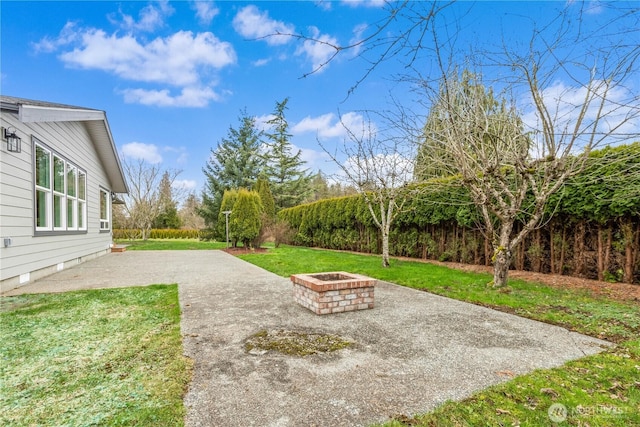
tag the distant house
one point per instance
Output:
(56, 188)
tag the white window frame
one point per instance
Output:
(64, 196)
(42, 189)
(105, 223)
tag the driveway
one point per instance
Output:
(412, 352)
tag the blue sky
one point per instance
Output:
(174, 76)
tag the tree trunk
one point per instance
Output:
(537, 259)
(385, 247)
(628, 235)
(502, 259)
(562, 250)
(607, 250)
(578, 250)
(487, 253)
(600, 254)
(552, 249)
(502, 256)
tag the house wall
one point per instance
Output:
(29, 256)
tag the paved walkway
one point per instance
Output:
(413, 351)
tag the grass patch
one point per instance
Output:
(576, 310)
(99, 357)
(599, 390)
(171, 245)
(294, 343)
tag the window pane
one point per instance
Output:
(103, 206)
(82, 185)
(57, 211)
(71, 181)
(71, 213)
(43, 168)
(81, 214)
(58, 174)
(41, 209)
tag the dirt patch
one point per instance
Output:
(618, 291)
(244, 251)
(293, 343)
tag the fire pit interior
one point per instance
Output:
(333, 292)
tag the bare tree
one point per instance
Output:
(379, 164)
(144, 201)
(573, 95)
(512, 156)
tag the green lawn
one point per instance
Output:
(600, 390)
(170, 244)
(103, 357)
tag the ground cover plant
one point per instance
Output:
(600, 390)
(99, 357)
(170, 244)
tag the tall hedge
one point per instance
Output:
(244, 221)
(592, 227)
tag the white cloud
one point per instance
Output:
(390, 170)
(261, 122)
(365, 3)
(594, 7)
(150, 17)
(205, 11)
(141, 151)
(324, 4)
(358, 31)
(251, 23)
(188, 97)
(179, 154)
(261, 62)
(177, 59)
(183, 60)
(317, 160)
(319, 49)
(184, 184)
(67, 35)
(618, 116)
(331, 126)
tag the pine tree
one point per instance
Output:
(266, 197)
(168, 207)
(244, 221)
(289, 181)
(235, 163)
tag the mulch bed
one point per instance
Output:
(618, 291)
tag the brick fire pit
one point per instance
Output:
(335, 292)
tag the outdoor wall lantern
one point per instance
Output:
(13, 140)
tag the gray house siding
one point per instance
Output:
(33, 253)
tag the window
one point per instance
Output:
(105, 209)
(43, 188)
(60, 192)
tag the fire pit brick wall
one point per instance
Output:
(348, 292)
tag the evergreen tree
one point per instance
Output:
(228, 201)
(168, 207)
(244, 221)
(235, 163)
(289, 181)
(266, 197)
(188, 213)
